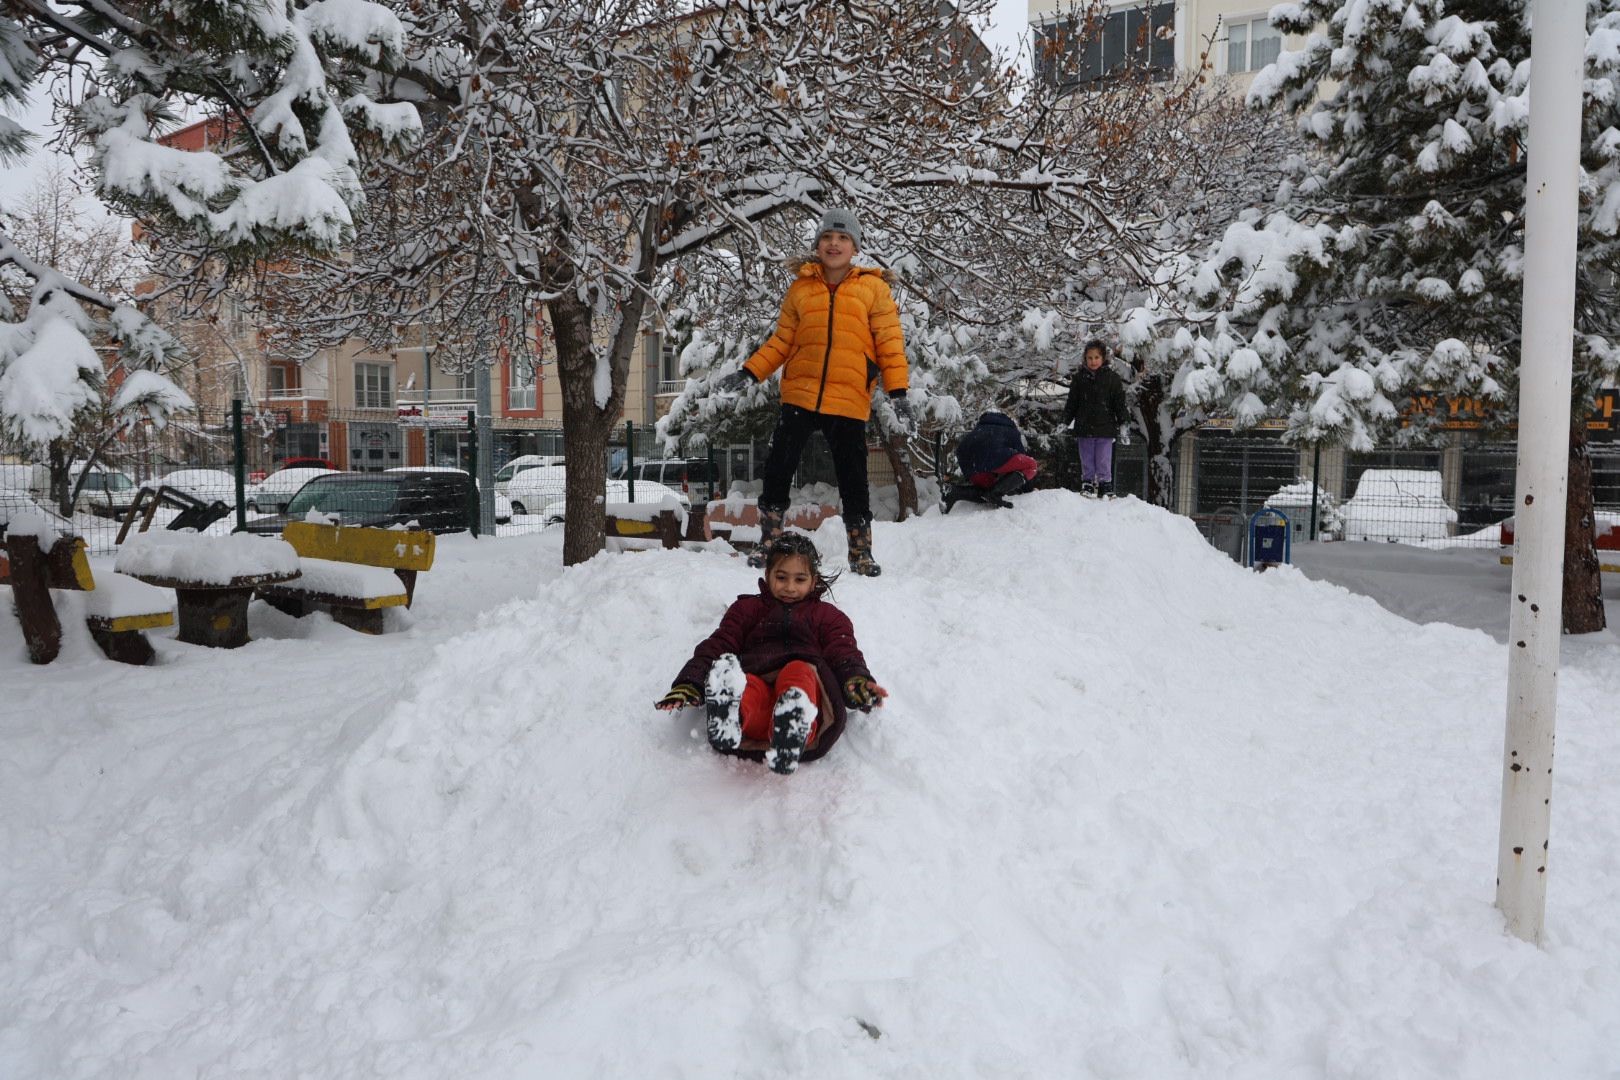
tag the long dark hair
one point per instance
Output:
(788, 544)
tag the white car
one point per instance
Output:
(503, 475)
(208, 485)
(106, 491)
(540, 493)
(272, 494)
(1398, 505)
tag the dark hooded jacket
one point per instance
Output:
(1096, 402)
(765, 634)
(988, 446)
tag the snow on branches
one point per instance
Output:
(289, 84)
(1391, 257)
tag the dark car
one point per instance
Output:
(435, 501)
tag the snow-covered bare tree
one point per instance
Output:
(1391, 261)
(56, 225)
(583, 150)
(287, 79)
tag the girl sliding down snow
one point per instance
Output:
(767, 670)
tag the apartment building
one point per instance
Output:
(367, 410)
(1164, 37)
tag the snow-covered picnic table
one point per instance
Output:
(214, 578)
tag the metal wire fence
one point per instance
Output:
(1456, 495)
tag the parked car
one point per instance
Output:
(540, 493)
(107, 492)
(271, 495)
(208, 485)
(306, 463)
(1398, 505)
(503, 475)
(691, 475)
(503, 505)
(436, 501)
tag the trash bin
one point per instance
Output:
(1223, 529)
(1270, 539)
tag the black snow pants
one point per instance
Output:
(846, 438)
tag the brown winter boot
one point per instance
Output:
(770, 523)
(860, 550)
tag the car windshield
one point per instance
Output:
(100, 481)
(367, 496)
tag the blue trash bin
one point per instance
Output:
(1270, 539)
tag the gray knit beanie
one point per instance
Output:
(840, 221)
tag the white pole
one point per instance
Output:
(1558, 42)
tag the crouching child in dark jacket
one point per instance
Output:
(995, 463)
(780, 672)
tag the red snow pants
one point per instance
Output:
(1019, 463)
(759, 699)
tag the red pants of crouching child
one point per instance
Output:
(1019, 463)
(759, 699)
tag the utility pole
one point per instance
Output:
(1557, 66)
(486, 456)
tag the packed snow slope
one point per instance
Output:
(1132, 811)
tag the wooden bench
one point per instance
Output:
(662, 530)
(723, 517)
(118, 613)
(1606, 539)
(353, 572)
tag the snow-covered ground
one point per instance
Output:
(1132, 812)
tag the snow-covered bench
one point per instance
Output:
(37, 558)
(353, 572)
(119, 611)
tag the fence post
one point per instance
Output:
(712, 473)
(630, 458)
(939, 473)
(1316, 485)
(474, 503)
(240, 469)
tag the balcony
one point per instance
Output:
(295, 393)
(439, 395)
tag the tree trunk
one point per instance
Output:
(588, 425)
(1147, 397)
(905, 481)
(61, 493)
(1583, 578)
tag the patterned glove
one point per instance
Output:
(735, 383)
(903, 414)
(1124, 434)
(864, 694)
(680, 695)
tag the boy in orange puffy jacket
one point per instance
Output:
(837, 334)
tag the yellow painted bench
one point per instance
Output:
(118, 612)
(354, 572)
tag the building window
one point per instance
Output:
(669, 360)
(520, 384)
(1251, 44)
(277, 380)
(1096, 45)
(373, 386)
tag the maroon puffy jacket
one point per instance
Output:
(766, 634)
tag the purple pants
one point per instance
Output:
(1096, 460)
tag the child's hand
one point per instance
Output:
(864, 694)
(680, 695)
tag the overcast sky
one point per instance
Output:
(1008, 22)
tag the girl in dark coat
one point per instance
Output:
(781, 668)
(1096, 411)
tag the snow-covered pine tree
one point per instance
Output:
(288, 79)
(1390, 260)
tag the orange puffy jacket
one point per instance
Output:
(835, 343)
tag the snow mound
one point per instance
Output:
(1131, 811)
